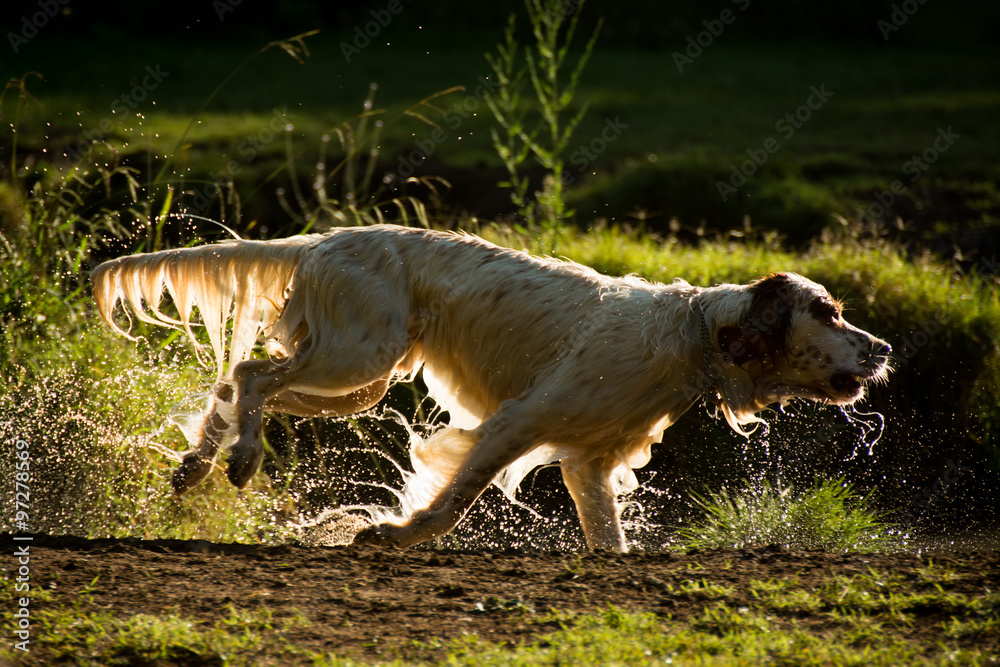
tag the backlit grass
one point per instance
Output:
(829, 516)
(864, 618)
(681, 132)
(115, 395)
(59, 219)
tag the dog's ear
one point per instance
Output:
(764, 331)
(740, 345)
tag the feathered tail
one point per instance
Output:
(244, 280)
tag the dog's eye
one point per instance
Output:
(824, 311)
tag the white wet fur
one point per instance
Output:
(536, 359)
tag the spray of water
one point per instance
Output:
(103, 453)
(871, 425)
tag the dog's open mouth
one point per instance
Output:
(783, 392)
(842, 387)
(846, 384)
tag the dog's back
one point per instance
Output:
(485, 320)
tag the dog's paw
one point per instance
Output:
(379, 534)
(192, 472)
(244, 462)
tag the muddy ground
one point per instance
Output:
(367, 602)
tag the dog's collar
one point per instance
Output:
(707, 383)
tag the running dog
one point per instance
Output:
(536, 360)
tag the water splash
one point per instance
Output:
(497, 520)
(871, 425)
(104, 450)
(188, 415)
(101, 457)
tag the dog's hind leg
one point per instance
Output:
(302, 404)
(347, 328)
(262, 385)
(590, 486)
(197, 464)
(257, 381)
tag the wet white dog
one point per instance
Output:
(537, 360)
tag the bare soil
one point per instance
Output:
(368, 602)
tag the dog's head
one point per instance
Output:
(792, 341)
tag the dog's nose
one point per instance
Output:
(881, 348)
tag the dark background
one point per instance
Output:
(935, 471)
(631, 24)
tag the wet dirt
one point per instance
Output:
(368, 602)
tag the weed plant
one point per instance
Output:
(365, 198)
(830, 516)
(538, 130)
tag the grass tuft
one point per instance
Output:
(829, 516)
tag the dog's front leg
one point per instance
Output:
(495, 447)
(197, 464)
(590, 486)
(439, 519)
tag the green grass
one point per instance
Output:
(861, 619)
(72, 632)
(57, 221)
(683, 113)
(830, 516)
(865, 618)
(92, 406)
(684, 130)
